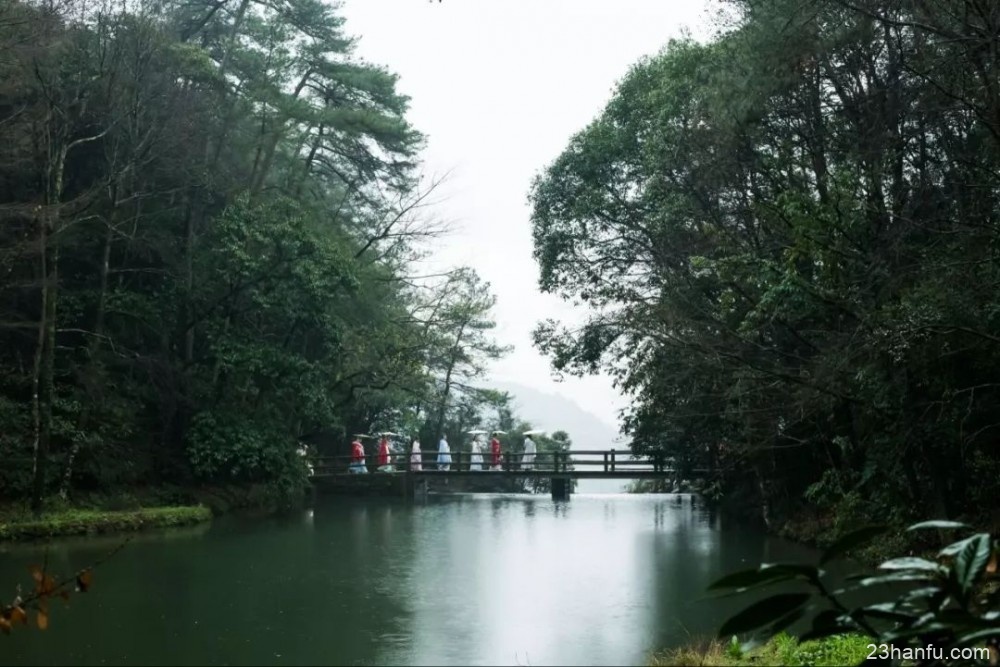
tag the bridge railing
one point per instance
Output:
(608, 461)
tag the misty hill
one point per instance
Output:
(553, 412)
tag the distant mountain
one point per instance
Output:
(553, 412)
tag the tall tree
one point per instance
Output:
(785, 236)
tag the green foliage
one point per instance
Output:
(782, 649)
(229, 448)
(734, 649)
(947, 601)
(226, 214)
(790, 260)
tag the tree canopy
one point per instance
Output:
(211, 221)
(787, 237)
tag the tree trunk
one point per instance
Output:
(260, 170)
(44, 380)
(37, 469)
(447, 383)
(93, 346)
(47, 380)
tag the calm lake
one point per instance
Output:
(456, 580)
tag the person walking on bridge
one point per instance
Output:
(357, 456)
(416, 459)
(528, 460)
(383, 453)
(476, 459)
(444, 454)
(495, 451)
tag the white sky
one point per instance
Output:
(499, 87)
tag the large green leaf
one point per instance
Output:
(829, 622)
(895, 578)
(939, 524)
(955, 548)
(767, 573)
(923, 630)
(852, 540)
(971, 561)
(888, 611)
(763, 612)
(785, 621)
(910, 563)
(977, 637)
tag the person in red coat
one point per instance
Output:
(383, 452)
(495, 452)
(357, 456)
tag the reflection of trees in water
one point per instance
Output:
(692, 547)
(688, 552)
(529, 508)
(362, 576)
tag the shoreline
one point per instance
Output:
(135, 511)
(75, 522)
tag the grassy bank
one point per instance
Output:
(782, 649)
(88, 522)
(128, 510)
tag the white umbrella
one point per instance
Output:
(390, 434)
(476, 432)
(499, 432)
(363, 435)
(534, 431)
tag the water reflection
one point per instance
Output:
(488, 579)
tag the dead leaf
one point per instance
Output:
(4, 625)
(43, 620)
(36, 573)
(84, 580)
(18, 615)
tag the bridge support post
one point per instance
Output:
(408, 486)
(414, 486)
(561, 487)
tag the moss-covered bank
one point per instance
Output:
(68, 522)
(783, 649)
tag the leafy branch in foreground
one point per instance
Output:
(46, 588)
(949, 601)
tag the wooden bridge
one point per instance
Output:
(560, 467)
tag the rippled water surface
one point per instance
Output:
(458, 580)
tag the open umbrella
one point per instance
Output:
(363, 435)
(499, 432)
(534, 431)
(389, 434)
(477, 432)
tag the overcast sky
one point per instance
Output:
(498, 87)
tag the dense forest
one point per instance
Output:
(211, 226)
(788, 238)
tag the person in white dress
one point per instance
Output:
(476, 459)
(416, 461)
(528, 459)
(444, 454)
